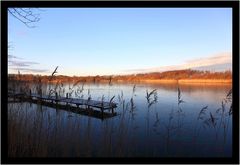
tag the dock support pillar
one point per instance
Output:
(66, 98)
(41, 93)
(102, 112)
(56, 95)
(30, 93)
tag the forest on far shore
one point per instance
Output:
(167, 75)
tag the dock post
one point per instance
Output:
(67, 98)
(30, 94)
(41, 93)
(56, 95)
(112, 110)
(56, 99)
(40, 100)
(102, 112)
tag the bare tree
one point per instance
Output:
(28, 16)
(25, 15)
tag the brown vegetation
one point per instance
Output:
(168, 76)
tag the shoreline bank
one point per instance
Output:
(150, 81)
(191, 81)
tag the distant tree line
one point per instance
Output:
(173, 75)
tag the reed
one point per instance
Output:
(111, 100)
(34, 131)
(179, 97)
(79, 91)
(217, 120)
(152, 97)
(202, 113)
(132, 104)
(53, 90)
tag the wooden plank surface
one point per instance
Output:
(92, 103)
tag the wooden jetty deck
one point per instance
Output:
(76, 105)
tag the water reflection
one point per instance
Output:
(153, 121)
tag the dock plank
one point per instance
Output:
(77, 101)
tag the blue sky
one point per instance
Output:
(103, 41)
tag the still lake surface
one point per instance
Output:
(166, 128)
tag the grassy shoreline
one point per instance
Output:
(190, 81)
(179, 76)
(145, 81)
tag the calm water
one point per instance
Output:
(162, 129)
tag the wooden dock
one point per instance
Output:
(89, 107)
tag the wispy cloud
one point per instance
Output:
(214, 60)
(221, 58)
(20, 63)
(30, 70)
(13, 57)
(16, 63)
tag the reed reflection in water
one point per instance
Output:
(154, 120)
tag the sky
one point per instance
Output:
(107, 41)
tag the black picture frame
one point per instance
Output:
(116, 4)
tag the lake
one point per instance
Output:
(185, 120)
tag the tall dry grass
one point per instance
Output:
(37, 131)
